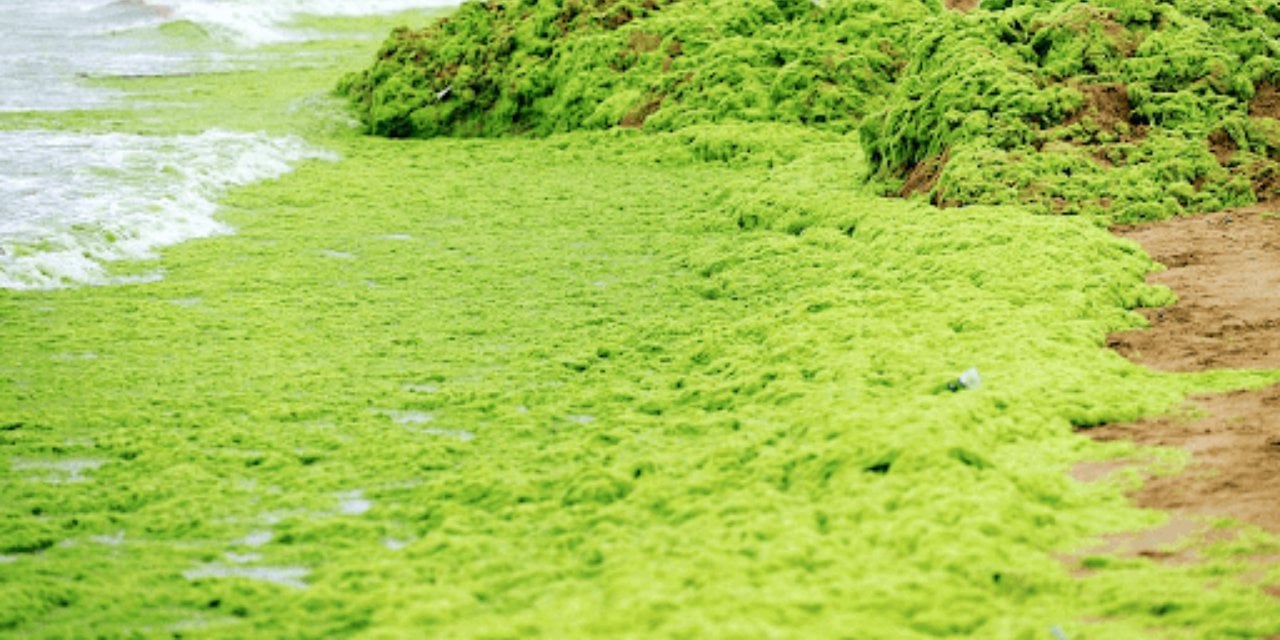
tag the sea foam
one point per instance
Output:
(254, 23)
(69, 202)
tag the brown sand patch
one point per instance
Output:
(1222, 146)
(1225, 269)
(1235, 448)
(1097, 470)
(963, 6)
(1266, 102)
(923, 177)
(1178, 541)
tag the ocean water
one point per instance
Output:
(72, 202)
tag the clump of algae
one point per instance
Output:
(700, 372)
(502, 67)
(1125, 109)
(1122, 109)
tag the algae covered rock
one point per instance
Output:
(508, 67)
(1127, 109)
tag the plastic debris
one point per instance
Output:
(970, 379)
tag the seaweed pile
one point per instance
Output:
(1127, 109)
(1123, 109)
(498, 67)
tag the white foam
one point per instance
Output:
(255, 23)
(71, 202)
(46, 46)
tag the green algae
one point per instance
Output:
(703, 372)
(1122, 109)
(499, 67)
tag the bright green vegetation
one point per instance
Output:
(497, 68)
(1125, 109)
(602, 384)
(1122, 109)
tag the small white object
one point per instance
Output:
(970, 378)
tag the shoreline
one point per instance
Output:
(460, 387)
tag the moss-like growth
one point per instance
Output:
(1124, 109)
(1127, 109)
(502, 67)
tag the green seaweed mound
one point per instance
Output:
(1128, 109)
(508, 67)
(1122, 109)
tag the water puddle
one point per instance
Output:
(353, 503)
(57, 471)
(457, 434)
(408, 417)
(294, 577)
(255, 539)
(337, 255)
(422, 388)
(114, 540)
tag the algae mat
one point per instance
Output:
(599, 385)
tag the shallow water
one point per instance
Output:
(56, 471)
(70, 202)
(286, 576)
(47, 47)
(251, 23)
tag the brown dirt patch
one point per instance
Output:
(1265, 175)
(643, 42)
(1266, 102)
(635, 118)
(1235, 448)
(1225, 268)
(1178, 541)
(923, 177)
(1107, 105)
(963, 6)
(1222, 146)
